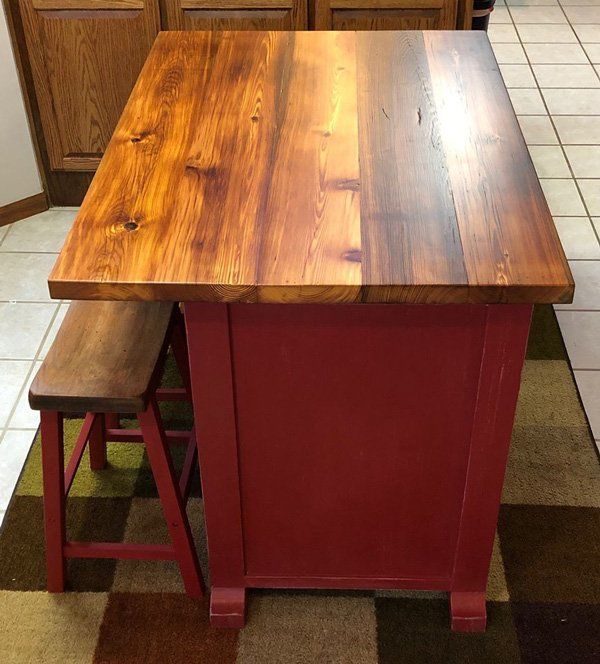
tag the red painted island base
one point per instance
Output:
(353, 446)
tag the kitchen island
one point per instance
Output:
(358, 234)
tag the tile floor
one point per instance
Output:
(28, 322)
(549, 55)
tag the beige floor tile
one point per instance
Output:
(324, 629)
(584, 160)
(517, 76)
(531, 3)
(588, 383)
(537, 15)
(3, 232)
(14, 449)
(500, 15)
(593, 52)
(556, 53)
(581, 331)
(579, 3)
(590, 190)
(502, 33)
(587, 286)
(566, 76)
(563, 101)
(527, 101)
(24, 417)
(588, 33)
(578, 129)
(587, 279)
(50, 629)
(56, 323)
(578, 238)
(563, 198)
(549, 161)
(596, 223)
(12, 378)
(537, 130)
(510, 54)
(22, 328)
(585, 15)
(42, 232)
(23, 277)
(546, 34)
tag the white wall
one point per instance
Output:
(19, 177)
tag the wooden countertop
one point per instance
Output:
(316, 167)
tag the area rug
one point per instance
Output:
(543, 594)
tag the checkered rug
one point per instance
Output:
(543, 593)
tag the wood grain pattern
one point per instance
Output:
(85, 57)
(316, 167)
(103, 358)
(22, 209)
(385, 14)
(42, 5)
(235, 15)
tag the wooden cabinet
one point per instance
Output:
(385, 14)
(235, 15)
(85, 57)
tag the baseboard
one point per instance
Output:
(23, 208)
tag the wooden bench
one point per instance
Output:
(108, 358)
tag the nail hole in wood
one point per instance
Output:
(130, 226)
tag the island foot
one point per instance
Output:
(468, 611)
(228, 607)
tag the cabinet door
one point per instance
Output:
(85, 58)
(236, 14)
(385, 14)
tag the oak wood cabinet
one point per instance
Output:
(85, 56)
(235, 15)
(385, 14)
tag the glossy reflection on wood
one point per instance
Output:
(316, 167)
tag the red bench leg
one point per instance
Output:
(112, 421)
(54, 498)
(179, 347)
(170, 497)
(97, 443)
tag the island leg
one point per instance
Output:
(211, 378)
(467, 610)
(228, 607)
(505, 343)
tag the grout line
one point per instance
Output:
(14, 251)
(31, 370)
(562, 147)
(19, 429)
(50, 301)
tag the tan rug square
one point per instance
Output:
(38, 627)
(496, 588)
(552, 465)
(548, 396)
(305, 629)
(146, 523)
